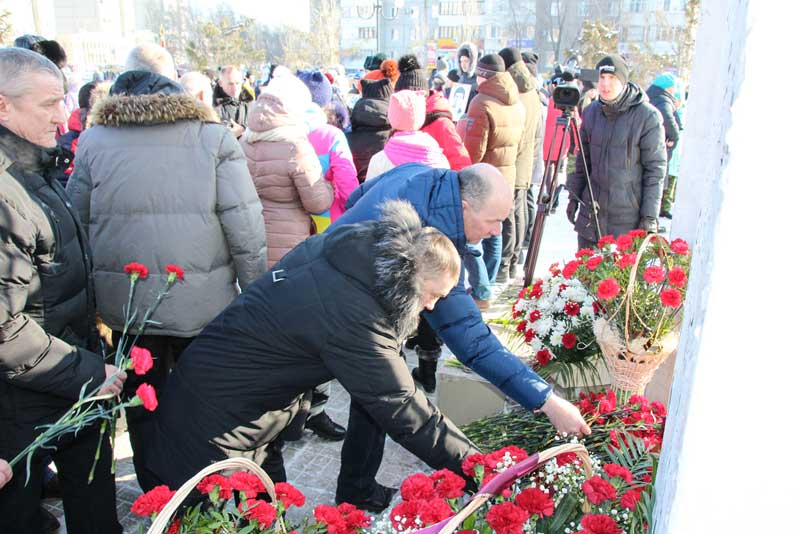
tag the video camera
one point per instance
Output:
(567, 94)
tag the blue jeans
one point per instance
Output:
(482, 262)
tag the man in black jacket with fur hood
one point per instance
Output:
(339, 305)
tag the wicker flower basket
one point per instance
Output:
(496, 485)
(631, 362)
(161, 522)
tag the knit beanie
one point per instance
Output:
(614, 64)
(374, 62)
(407, 110)
(452, 75)
(510, 56)
(490, 65)
(665, 80)
(441, 65)
(412, 76)
(318, 84)
(390, 69)
(378, 89)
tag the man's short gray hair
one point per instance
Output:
(16, 66)
(194, 82)
(475, 184)
(152, 58)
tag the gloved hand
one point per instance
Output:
(649, 225)
(572, 210)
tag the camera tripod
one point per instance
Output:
(547, 190)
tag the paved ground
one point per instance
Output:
(312, 464)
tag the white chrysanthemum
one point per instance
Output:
(542, 326)
(555, 340)
(536, 344)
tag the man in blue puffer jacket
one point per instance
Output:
(466, 206)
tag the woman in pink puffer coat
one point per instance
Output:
(406, 143)
(285, 170)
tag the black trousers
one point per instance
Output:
(165, 351)
(362, 453)
(585, 243)
(89, 508)
(426, 338)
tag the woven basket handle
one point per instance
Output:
(161, 522)
(517, 471)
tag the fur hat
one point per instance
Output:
(318, 84)
(407, 110)
(411, 75)
(390, 69)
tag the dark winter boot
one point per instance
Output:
(425, 374)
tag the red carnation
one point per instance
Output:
(677, 277)
(141, 360)
(506, 518)
(608, 289)
(353, 517)
(624, 242)
(207, 485)
(599, 524)
(616, 470)
(529, 335)
(447, 484)
(258, 510)
(152, 502)
(417, 486)
(569, 340)
(147, 394)
(470, 462)
(572, 308)
(535, 501)
(671, 298)
(679, 246)
(173, 272)
(584, 252)
(536, 291)
(593, 262)
(630, 498)
(434, 511)
(289, 495)
(331, 518)
(598, 490)
(136, 270)
(570, 268)
(554, 270)
(535, 315)
(521, 326)
(175, 526)
(403, 515)
(654, 274)
(626, 260)
(638, 232)
(543, 357)
(248, 483)
(606, 240)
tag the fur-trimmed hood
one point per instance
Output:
(472, 53)
(14, 149)
(379, 254)
(150, 110)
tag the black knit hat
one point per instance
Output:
(510, 56)
(377, 89)
(452, 75)
(412, 76)
(490, 65)
(614, 64)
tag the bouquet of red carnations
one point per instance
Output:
(639, 282)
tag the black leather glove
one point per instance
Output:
(649, 225)
(572, 210)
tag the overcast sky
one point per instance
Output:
(271, 12)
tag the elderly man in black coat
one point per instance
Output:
(339, 305)
(46, 309)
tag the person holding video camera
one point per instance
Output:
(618, 180)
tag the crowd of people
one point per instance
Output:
(317, 239)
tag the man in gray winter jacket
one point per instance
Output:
(622, 140)
(158, 180)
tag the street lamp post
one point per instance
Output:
(378, 11)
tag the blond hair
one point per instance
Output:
(435, 255)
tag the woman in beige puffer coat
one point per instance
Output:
(286, 172)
